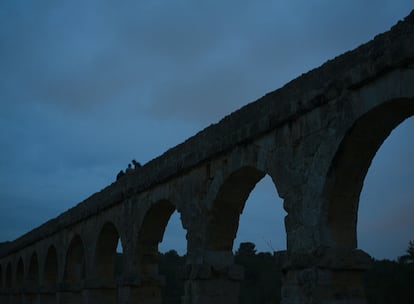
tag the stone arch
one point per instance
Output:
(105, 252)
(50, 271)
(20, 274)
(74, 271)
(224, 215)
(221, 229)
(151, 234)
(9, 280)
(33, 272)
(349, 167)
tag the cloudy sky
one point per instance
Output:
(86, 86)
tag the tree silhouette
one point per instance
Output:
(390, 282)
(409, 257)
(246, 249)
(262, 275)
(171, 266)
(410, 250)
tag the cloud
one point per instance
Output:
(201, 57)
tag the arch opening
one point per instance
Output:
(108, 253)
(20, 274)
(50, 272)
(350, 165)
(248, 212)
(9, 280)
(151, 234)
(119, 247)
(171, 259)
(174, 237)
(229, 205)
(262, 219)
(33, 273)
(119, 260)
(161, 223)
(74, 271)
(386, 208)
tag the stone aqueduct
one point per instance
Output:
(315, 137)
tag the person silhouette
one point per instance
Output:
(120, 174)
(129, 169)
(136, 164)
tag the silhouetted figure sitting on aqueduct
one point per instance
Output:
(136, 164)
(120, 174)
(129, 169)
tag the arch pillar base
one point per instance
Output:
(31, 298)
(207, 284)
(47, 298)
(5, 298)
(69, 296)
(16, 298)
(327, 276)
(146, 292)
(99, 295)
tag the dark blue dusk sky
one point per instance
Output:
(86, 86)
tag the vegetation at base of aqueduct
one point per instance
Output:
(388, 282)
